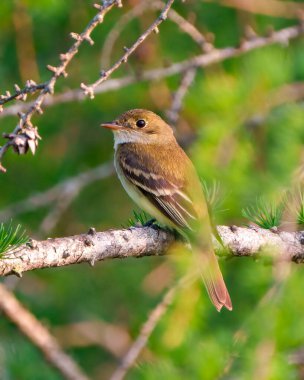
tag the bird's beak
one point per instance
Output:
(112, 126)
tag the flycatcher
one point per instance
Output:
(158, 175)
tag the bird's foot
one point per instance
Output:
(149, 223)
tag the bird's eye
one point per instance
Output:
(140, 123)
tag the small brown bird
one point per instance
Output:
(158, 175)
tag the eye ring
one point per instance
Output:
(141, 123)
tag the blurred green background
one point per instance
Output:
(246, 131)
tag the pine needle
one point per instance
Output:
(265, 214)
(11, 238)
(139, 218)
(294, 202)
(213, 196)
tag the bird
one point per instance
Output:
(161, 179)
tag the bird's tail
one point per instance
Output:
(214, 281)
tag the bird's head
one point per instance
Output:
(141, 126)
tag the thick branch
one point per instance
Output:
(91, 247)
(144, 241)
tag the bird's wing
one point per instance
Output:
(167, 195)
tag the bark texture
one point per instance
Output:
(145, 241)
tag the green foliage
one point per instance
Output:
(213, 196)
(268, 214)
(294, 202)
(300, 210)
(139, 218)
(247, 125)
(11, 238)
(264, 213)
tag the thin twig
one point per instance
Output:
(21, 94)
(25, 135)
(288, 93)
(143, 6)
(129, 359)
(104, 75)
(48, 87)
(69, 188)
(114, 338)
(282, 37)
(178, 97)
(70, 191)
(274, 8)
(55, 212)
(39, 336)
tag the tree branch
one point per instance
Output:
(273, 8)
(147, 328)
(129, 359)
(25, 136)
(177, 100)
(104, 74)
(69, 188)
(145, 241)
(48, 87)
(183, 24)
(214, 56)
(39, 336)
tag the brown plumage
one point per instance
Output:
(161, 179)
